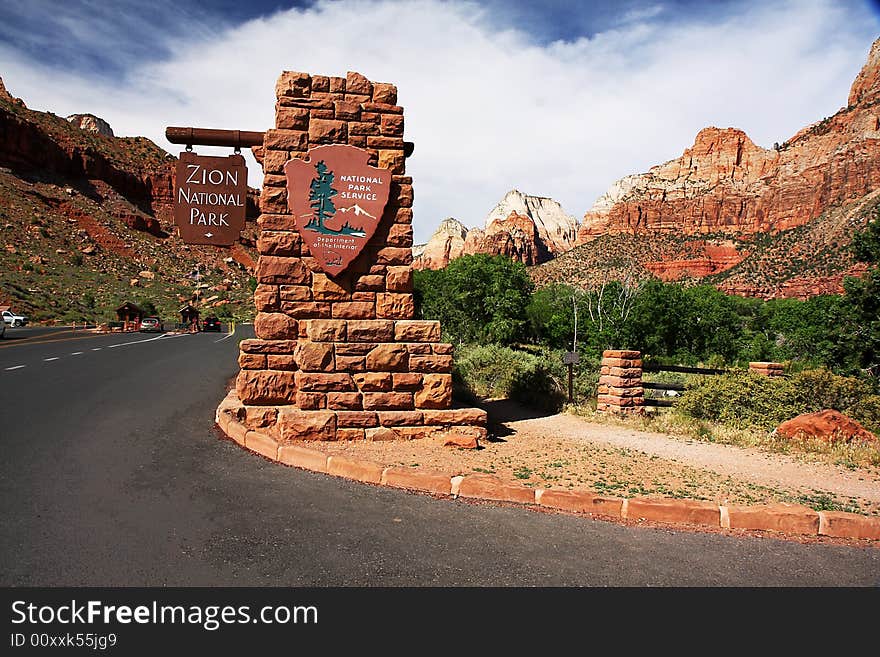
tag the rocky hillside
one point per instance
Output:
(800, 263)
(86, 221)
(531, 229)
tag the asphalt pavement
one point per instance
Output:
(113, 474)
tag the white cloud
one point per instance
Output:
(487, 108)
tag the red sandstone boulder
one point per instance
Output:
(829, 425)
(460, 440)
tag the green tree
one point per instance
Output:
(806, 331)
(551, 312)
(148, 307)
(608, 309)
(711, 326)
(656, 319)
(321, 197)
(863, 299)
(477, 298)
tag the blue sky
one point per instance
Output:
(553, 98)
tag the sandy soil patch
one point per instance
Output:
(569, 452)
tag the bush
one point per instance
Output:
(494, 371)
(820, 389)
(744, 398)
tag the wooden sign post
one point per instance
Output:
(210, 193)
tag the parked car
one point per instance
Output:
(2, 329)
(151, 325)
(211, 324)
(11, 319)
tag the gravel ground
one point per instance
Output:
(570, 452)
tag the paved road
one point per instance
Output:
(21, 334)
(112, 475)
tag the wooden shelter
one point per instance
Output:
(130, 316)
(189, 316)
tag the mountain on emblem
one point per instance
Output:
(338, 200)
(357, 210)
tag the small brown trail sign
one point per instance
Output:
(209, 198)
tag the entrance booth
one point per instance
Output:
(129, 316)
(189, 317)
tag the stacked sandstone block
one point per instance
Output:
(767, 369)
(620, 383)
(342, 357)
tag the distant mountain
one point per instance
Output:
(446, 244)
(86, 223)
(556, 229)
(531, 229)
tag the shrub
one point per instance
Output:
(866, 411)
(494, 371)
(820, 388)
(741, 399)
(744, 398)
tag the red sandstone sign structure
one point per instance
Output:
(338, 355)
(210, 197)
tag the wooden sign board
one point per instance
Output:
(209, 198)
(571, 358)
(337, 200)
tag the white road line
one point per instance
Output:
(46, 360)
(17, 367)
(158, 337)
(228, 336)
(75, 353)
(96, 348)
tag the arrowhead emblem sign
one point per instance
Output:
(337, 200)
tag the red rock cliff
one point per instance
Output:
(725, 183)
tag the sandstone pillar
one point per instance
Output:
(341, 357)
(620, 383)
(766, 369)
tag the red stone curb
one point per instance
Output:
(581, 502)
(487, 487)
(690, 512)
(786, 519)
(302, 457)
(848, 525)
(366, 471)
(430, 482)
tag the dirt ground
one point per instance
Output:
(569, 452)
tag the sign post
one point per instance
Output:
(210, 197)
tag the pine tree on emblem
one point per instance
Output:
(321, 197)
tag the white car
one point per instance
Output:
(11, 319)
